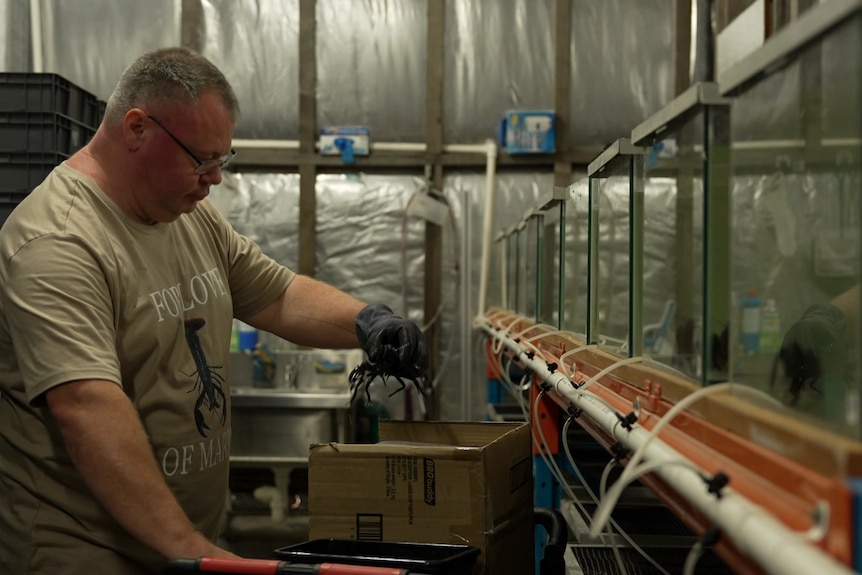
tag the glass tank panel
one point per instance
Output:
(673, 248)
(497, 275)
(575, 258)
(533, 245)
(551, 258)
(797, 228)
(522, 255)
(511, 289)
(610, 216)
(684, 201)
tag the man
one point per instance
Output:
(118, 285)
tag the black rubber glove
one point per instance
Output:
(396, 345)
(814, 347)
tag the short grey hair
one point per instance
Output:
(169, 76)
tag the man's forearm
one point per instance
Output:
(109, 447)
(312, 313)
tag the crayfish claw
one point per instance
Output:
(200, 423)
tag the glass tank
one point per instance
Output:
(796, 144)
(611, 313)
(497, 274)
(552, 211)
(533, 245)
(683, 245)
(575, 258)
(522, 254)
(511, 287)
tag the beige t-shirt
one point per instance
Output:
(85, 292)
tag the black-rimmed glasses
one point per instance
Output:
(204, 166)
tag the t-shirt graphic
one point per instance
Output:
(208, 383)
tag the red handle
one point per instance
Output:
(339, 569)
(244, 566)
(238, 566)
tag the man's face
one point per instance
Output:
(180, 157)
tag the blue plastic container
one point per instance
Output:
(750, 333)
(247, 337)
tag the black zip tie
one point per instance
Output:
(716, 483)
(710, 536)
(574, 412)
(530, 355)
(552, 367)
(576, 384)
(545, 386)
(517, 340)
(620, 451)
(628, 421)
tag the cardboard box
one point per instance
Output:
(431, 482)
(528, 132)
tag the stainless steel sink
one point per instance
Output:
(278, 425)
(250, 397)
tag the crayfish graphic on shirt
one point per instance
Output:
(208, 383)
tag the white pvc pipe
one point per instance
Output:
(36, 35)
(487, 223)
(36, 32)
(273, 497)
(375, 146)
(755, 532)
(267, 144)
(398, 147)
(767, 144)
(466, 304)
(471, 148)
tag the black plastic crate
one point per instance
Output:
(21, 172)
(31, 92)
(12, 197)
(42, 132)
(427, 558)
(4, 213)
(8, 200)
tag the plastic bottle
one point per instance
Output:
(770, 328)
(234, 336)
(247, 337)
(750, 334)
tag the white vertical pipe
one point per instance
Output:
(487, 223)
(465, 277)
(36, 35)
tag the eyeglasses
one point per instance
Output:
(204, 166)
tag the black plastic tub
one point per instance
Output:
(427, 558)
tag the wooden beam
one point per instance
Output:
(307, 136)
(281, 160)
(562, 89)
(433, 233)
(684, 318)
(727, 10)
(191, 25)
(811, 98)
(681, 46)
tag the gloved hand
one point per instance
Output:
(396, 345)
(814, 347)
